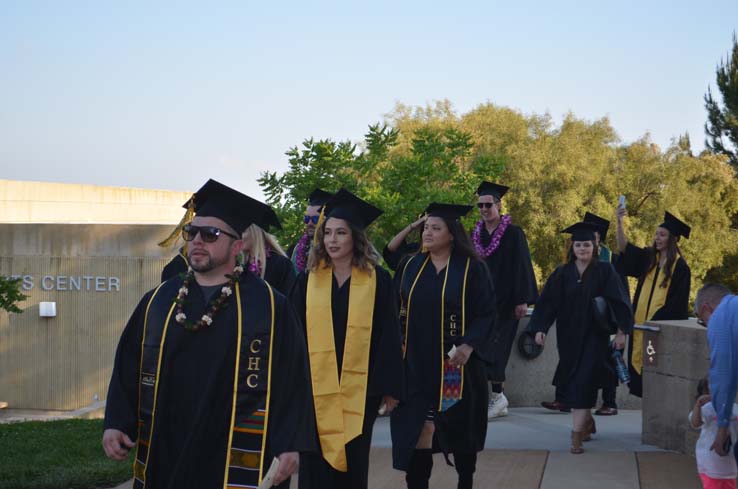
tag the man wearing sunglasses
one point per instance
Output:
(210, 377)
(298, 252)
(717, 308)
(503, 246)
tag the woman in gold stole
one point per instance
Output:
(447, 314)
(349, 309)
(583, 346)
(663, 286)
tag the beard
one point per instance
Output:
(208, 263)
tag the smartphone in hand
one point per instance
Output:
(621, 202)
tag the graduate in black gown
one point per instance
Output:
(210, 379)
(298, 252)
(349, 308)
(609, 389)
(176, 265)
(447, 314)
(583, 348)
(398, 248)
(264, 256)
(503, 247)
(664, 280)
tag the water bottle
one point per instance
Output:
(620, 367)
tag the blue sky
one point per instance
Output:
(167, 95)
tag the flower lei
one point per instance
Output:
(255, 265)
(215, 305)
(301, 252)
(497, 234)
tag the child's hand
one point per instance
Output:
(702, 400)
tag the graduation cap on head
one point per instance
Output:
(675, 225)
(237, 210)
(319, 197)
(582, 231)
(493, 189)
(598, 221)
(268, 219)
(447, 211)
(345, 205)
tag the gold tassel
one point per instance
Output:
(177, 231)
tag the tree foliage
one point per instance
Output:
(722, 121)
(556, 172)
(437, 165)
(10, 294)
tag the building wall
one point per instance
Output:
(96, 274)
(44, 202)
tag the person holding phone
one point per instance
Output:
(664, 280)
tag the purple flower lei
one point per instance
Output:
(485, 251)
(301, 252)
(255, 265)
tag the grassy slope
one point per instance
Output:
(57, 455)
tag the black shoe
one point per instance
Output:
(556, 406)
(606, 411)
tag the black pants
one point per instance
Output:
(502, 342)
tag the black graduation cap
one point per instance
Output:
(269, 219)
(675, 226)
(598, 221)
(319, 197)
(237, 210)
(345, 205)
(493, 189)
(582, 231)
(447, 211)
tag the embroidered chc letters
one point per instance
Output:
(253, 367)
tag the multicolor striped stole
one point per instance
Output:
(452, 321)
(245, 464)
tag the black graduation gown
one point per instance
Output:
(463, 427)
(194, 401)
(385, 377)
(582, 347)
(176, 265)
(280, 273)
(634, 261)
(393, 258)
(515, 283)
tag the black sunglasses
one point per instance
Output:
(314, 219)
(209, 234)
(486, 205)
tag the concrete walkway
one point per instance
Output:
(529, 449)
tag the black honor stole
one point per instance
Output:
(245, 464)
(453, 318)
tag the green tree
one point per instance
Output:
(10, 294)
(556, 172)
(437, 164)
(722, 121)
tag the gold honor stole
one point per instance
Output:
(649, 302)
(244, 467)
(339, 406)
(452, 378)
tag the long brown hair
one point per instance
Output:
(365, 257)
(672, 254)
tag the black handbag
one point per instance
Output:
(604, 318)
